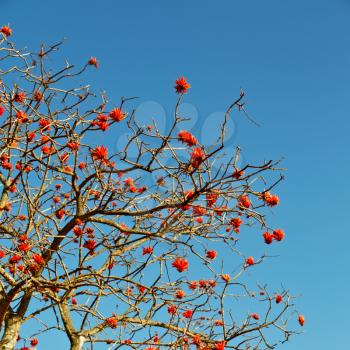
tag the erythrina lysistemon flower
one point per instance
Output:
(181, 85)
(187, 138)
(180, 264)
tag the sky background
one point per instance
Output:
(292, 60)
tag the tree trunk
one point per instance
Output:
(12, 326)
(77, 343)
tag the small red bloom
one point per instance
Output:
(244, 201)
(112, 322)
(6, 30)
(147, 250)
(211, 254)
(93, 62)
(45, 124)
(2, 110)
(187, 138)
(220, 345)
(38, 259)
(237, 174)
(60, 214)
(226, 277)
(90, 244)
(2, 254)
(197, 157)
(255, 316)
(278, 298)
(15, 259)
(187, 314)
(21, 117)
(180, 264)
(117, 115)
(74, 146)
(24, 247)
(34, 342)
(301, 320)
(211, 199)
(269, 199)
(38, 96)
(172, 309)
(100, 153)
(268, 237)
(19, 97)
(181, 85)
(250, 261)
(179, 294)
(278, 235)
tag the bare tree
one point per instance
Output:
(117, 247)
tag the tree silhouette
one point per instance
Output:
(137, 248)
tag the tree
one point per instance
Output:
(95, 248)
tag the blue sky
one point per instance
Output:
(291, 58)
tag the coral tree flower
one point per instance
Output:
(181, 85)
(187, 138)
(6, 30)
(180, 264)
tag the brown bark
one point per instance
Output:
(12, 326)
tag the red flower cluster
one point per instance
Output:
(147, 250)
(187, 313)
(180, 264)
(278, 298)
(211, 254)
(117, 115)
(6, 30)
(255, 316)
(250, 261)
(181, 85)
(187, 138)
(236, 223)
(93, 62)
(277, 235)
(197, 157)
(237, 174)
(269, 199)
(301, 320)
(211, 199)
(112, 322)
(244, 201)
(100, 153)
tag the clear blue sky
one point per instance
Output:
(293, 60)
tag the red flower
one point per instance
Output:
(220, 345)
(24, 247)
(250, 261)
(301, 320)
(147, 250)
(15, 259)
(30, 136)
(2, 110)
(211, 199)
(112, 322)
(2, 254)
(187, 138)
(21, 117)
(237, 174)
(197, 157)
(268, 237)
(181, 85)
(45, 124)
(34, 342)
(179, 294)
(74, 301)
(180, 264)
(60, 214)
(93, 62)
(74, 146)
(255, 316)
(19, 97)
(38, 259)
(278, 235)
(244, 201)
(100, 153)
(172, 309)
(236, 223)
(278, 298)
(226, 277)
(211, 254)
(78, 231)
(90, 244)
(187, 314)
(6, 30)
(269, 199)
(38, 96)
(117, 115)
